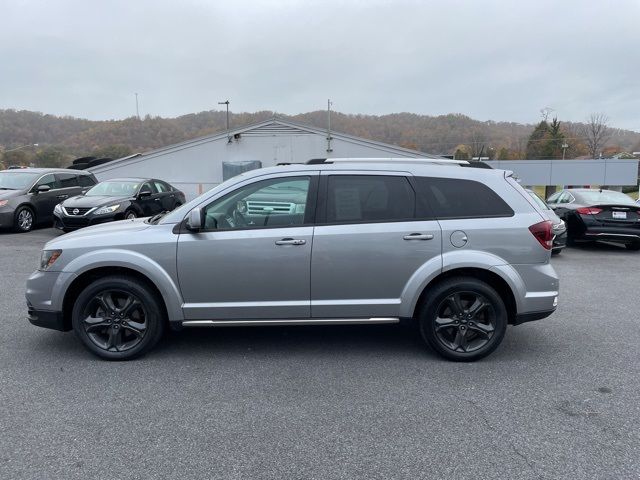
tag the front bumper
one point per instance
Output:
(560, 241)
(48, 319)
(6, 219)
(69, 223)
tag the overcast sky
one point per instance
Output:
(498, 60)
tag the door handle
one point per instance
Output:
(61, 197)
(290, 241)
(418, 236)
(157, 199)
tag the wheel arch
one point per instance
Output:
(490, 277)
(83, 280)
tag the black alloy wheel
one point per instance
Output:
(464, 319)
(118, 318)
(24, 219)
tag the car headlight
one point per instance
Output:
(57, 208)
(3, 202)
(48, 258)
(108, 209)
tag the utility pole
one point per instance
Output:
(226, 102)
(137, 109)
(565, 145)
(329, 149)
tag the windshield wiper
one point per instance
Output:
(153, 220)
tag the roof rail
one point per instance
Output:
(431, 161)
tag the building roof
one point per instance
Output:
(269, 127)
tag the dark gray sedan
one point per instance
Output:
(29, 195)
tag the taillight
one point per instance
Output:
(588, 211)
(543, 233)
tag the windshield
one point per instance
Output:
(606, 196)
(114, 189)
(538, 200)
(16, 180)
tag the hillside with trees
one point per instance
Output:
(61, 139)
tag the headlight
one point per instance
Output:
(48, 258)
(105, 210)
(3, 202)
(57, 208)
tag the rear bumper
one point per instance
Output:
(532, 316)
(623, 235)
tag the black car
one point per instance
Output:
(29, 195)
(592, 214)
(558, 228)
(117, 199)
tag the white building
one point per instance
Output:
(197, 165)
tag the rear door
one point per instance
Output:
(367, 244)
(69, 185)
(166, 195)
(150, 204)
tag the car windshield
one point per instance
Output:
(538, 200)
(114, 189)
(605, 196)
(16, 180)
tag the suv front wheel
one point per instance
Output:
(463, 319)
(118, 318)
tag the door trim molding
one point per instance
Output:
(293, 321)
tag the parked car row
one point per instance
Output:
(74, 199)
(597, 214)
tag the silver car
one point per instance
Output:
(461, 251)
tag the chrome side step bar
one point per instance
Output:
(294, 321)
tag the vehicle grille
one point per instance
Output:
(75, 211)
(76, 222)
(255, 207)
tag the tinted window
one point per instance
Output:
(456, 198)
(148, 186)
(161, 186)
(369, 198)
(277, 202)
(553, 198)
(49, 180)
(67, 180)
(86, 181)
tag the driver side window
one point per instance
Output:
(48, 180)
(278, 202)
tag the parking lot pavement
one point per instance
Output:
(558, 399)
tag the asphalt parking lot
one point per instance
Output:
(559, 399)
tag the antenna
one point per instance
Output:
(329, 149)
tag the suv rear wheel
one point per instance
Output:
(118, 318)
(463, 319)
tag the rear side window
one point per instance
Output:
(369, 198)
(67, 180)
(447, 198)
(86, 181)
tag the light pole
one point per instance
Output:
(226, 102)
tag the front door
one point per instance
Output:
(369, 245)
(253, 258)
(45, 202)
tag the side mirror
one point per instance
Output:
(144, 193)
(194, 220)
(43, 188)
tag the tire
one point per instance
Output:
(632, 246)
(24, 219)
(118, 318)
(451, 330)
(130, 215)
(556, 251)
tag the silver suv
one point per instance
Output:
(461, 251)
